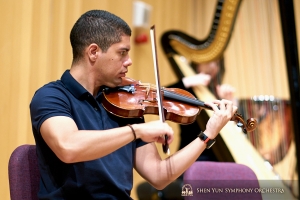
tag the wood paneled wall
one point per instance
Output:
(35, 49)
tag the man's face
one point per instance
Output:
(113, 64)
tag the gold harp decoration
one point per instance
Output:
(210, 51)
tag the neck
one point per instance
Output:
(86, 78)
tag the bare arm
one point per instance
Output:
(72, 145)
(159, 172)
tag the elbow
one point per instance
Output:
(66, 158)
(174, 185)
(160, 185)
(66, 154)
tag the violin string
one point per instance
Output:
(175, 96)
(183, 97)
(153, 87)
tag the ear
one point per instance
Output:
(93, 51)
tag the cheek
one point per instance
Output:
(214, 73)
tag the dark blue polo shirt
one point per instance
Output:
(109, 177)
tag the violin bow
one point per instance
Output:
(158, 90)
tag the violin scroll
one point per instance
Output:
(246, 127)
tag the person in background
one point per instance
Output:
(209, 74)
(86, 152)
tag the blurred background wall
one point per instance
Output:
(35, 49)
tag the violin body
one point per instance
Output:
(134, 100)
(137, 100)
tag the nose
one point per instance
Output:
(128, 62)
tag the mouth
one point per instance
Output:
(123, 74)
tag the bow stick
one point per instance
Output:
(158, 90)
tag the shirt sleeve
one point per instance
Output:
(47, 102)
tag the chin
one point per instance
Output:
(117, 82)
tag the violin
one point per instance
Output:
(133, 99)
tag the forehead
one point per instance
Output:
(124, 44)
(212, 64)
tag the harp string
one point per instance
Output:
(267, 99)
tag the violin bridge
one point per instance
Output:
(147, 90)
(150, 94)
(141, 101)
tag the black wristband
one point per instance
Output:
(133, 132)
(209, 142)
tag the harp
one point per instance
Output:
(181, 48)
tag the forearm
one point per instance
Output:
(160, 173)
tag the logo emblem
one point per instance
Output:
(187, 190)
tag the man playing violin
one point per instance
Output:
(84, 151)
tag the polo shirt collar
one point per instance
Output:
(73, 86)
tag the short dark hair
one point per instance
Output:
(97, 26)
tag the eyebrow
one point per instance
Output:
(123, 48)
